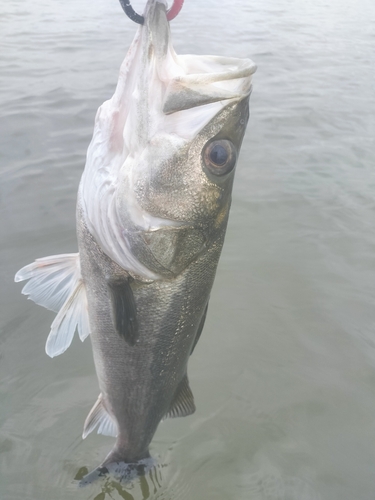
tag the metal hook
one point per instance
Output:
(130, 12)
(175, 9)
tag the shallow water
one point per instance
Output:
(284, 374)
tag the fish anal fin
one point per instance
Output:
(182, 402)
(124, 313)
(99, 417)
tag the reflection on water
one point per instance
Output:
(143, 487)
(284, 373)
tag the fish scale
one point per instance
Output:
(140, 381)
(152, 211)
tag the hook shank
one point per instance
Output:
(132, 14)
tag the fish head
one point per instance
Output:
(161, 164)
(189, 181)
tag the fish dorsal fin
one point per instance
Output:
(183, 401)
(124, 314)
(99, 417)
(56, 283)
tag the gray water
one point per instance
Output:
(284, 374)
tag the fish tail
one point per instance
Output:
(119, 454)
(120, 471)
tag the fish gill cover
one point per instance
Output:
(152, 210)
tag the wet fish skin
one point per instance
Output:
(138, 382)
(152, 212)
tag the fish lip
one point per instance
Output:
(212, 71)
(156, 23)
(245, 68)
(159, 93)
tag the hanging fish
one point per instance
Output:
(153, 206)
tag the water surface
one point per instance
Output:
(284, 374)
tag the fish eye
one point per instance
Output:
(219, 157)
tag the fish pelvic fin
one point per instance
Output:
(99, 417)
(182, 402)
(51, 279)
(55, 282)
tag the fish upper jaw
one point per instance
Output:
(159, 95)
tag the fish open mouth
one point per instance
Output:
(159, 93)
(152, 211)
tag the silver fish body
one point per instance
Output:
(152, 211)
(144, 378)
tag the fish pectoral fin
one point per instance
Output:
(182, 402)
(99, 417)
(56, 283)
(124, 313)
